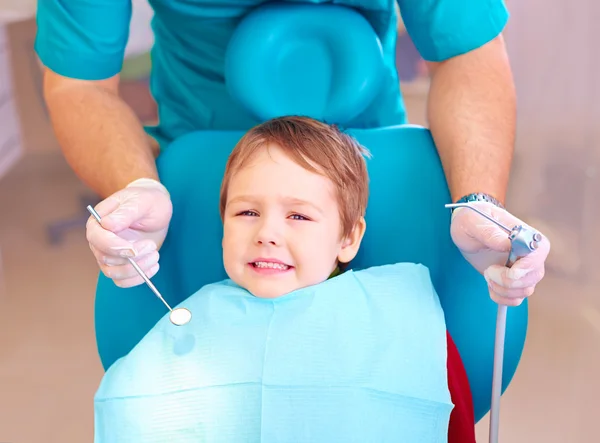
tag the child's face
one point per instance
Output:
(282, 227)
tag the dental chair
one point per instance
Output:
(287, 59)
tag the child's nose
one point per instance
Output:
(265, 237)
(271, 242)
(268, 234)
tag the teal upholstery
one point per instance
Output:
(406, 218)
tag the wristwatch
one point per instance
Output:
(479, 197)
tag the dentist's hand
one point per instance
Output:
(135, 221)
(486, 247)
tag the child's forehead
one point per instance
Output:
(272, 161)
(272, 173)
(283, 186)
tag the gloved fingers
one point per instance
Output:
(502, 276)
(108, 205)
(511, 290)
(143, 205)
(121, 210)
(127, 271)
(508, 291)
(472, 232)
(118, 257)
(104, 242)
(107, 243)
(532, 264)
(137, 280)
(526, 272)
(507, 301)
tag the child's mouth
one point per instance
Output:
(269, 267)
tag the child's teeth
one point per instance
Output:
(262, 264)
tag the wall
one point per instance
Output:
(10, 131)
(553, 50)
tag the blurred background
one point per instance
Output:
(49, 368)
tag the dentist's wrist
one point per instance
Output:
(148, 183)
(480, 197)
(477, 197)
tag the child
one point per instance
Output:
(294, 185)
(293, 200)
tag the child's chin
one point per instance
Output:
(271, 292)
(268, 293)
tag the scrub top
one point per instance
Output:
(86, 40)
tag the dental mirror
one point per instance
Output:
(179, 316)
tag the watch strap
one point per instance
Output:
(479, 197)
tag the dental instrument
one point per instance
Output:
(523, 241)
(178, 316)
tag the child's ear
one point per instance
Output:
(351, 244)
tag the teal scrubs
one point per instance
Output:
(86, 39)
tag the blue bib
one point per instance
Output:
(358, 358)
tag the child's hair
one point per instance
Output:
(317, 147)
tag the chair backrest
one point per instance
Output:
(406, 218)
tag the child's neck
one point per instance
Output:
(337, 271)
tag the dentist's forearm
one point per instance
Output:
(472, 117)
(100, 136)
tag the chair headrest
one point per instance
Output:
(287, 59)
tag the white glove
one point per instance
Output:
(486, 247)
(135, 221)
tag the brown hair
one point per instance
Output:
(317, 147)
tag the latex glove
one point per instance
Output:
(486, 247)
(135, 221)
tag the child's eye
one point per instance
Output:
(248, 213)
(298, 217)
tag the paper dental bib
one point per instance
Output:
(359, 358)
